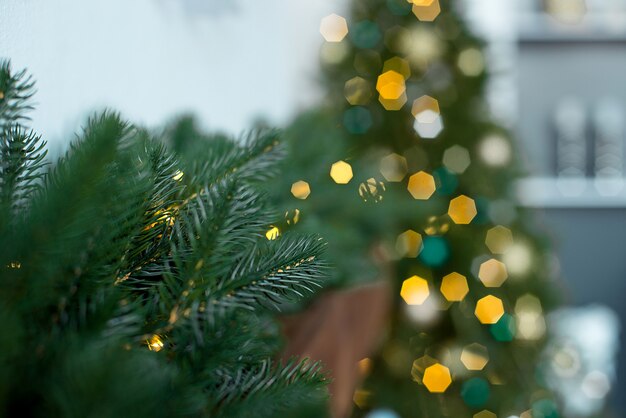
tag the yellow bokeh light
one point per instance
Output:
(489, 309)
(357, 91)
(499, 239)
(414, 290)
(454, 287)
(485, 414)
(437, 378)
(462, 210)
(341, 172)
(371, 190)
(399, 65)
(419, 366)
(474, 357)
(393, 167)
(492, 273)
(421, 185)
(333, 28)
(456, 159)
(155, 343)
(389, 77)
(393, 104)
(409, 244)
(422, 2)
(471, 62)
(390, 85)
(427, 13)
(361, 398)
(300, 189)
(272, 233)
(427, 108)
(178, 175)
(365, 366)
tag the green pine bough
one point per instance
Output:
(134, 284)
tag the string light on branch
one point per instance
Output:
(334, 28)
(155, 343)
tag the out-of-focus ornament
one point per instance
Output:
(409, 244)
(371, 190)
(393, 167)
(414, 290)
(333, 28)
(462, 210)
(454, 287)
(300, 189)
(437, 378)
(456, 159)
(471, 62)
(341, 172)
(357, 91)
(504, 329)
(475, 357)
(499, 239)
(492, 273)
(357, 120)
(489, 309)
(426, 13)
(475, 392)
(495, 150)
(421, 185)
(272, 233)
(435, 251)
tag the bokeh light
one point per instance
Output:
(393, 167)
(300, 189)
(499, 239)
(426, 13)
(475, 392)
(357, 91)
(333, 28)
(421, 185)
(462, 210)
(489, 309)
(492, 273)
(272, 233)
(474, 357)
(341, 172)
(437, 378)
(456, 159)
(454, 287)
(414, 290)
(409, 244)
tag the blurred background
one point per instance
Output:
(556, 68)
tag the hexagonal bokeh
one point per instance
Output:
(422, 2)
(437, 378)
(475, 392)
(428, 130)
(462, 210)
(393, 167)
(454, 287)
(421, 185)
(409, 244)
(419, 366)
(426, 13)
(489, 309)
(437, 225)
(495, 150)
(474, 357)
(390, 85)
(414, 290)
(341, 172)
(393, 104)
(471, 62)
(399, 65)
(492, 273)
(421, 105)
(505, 329)
(357, 91)
(499, 239)
(300, 189)
(371, 190)
(485, 414)
(333, 28)
(456, 159)
(272, 233)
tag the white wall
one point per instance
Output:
(227, 61)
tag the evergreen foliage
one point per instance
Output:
(137, 284)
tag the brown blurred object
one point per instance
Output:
(340, 329)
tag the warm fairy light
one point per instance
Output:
(399, 65)
(471, 62)
(178, 175)
(393, 167)
(437, 225)
(456, 159)
(155, 343)
(419, 366)
(454, 287)
(14, 265)
(341, 172)
(409, 244)
(272, 233)
(333, 28)
(292, 217)
(371, 190)
(518, 259)
(414, 290)
(421, 185)
(462, 210)
(474, 357)
(421, 105)
(437, 378)
(531, 324)
(492, 273)
(489, 309)
(499, 239)
(393, 104)
(300, 189)
(485, 414)
(495, 150)
(390, 85)
(421, 2)
(357, 91)
(426, 13)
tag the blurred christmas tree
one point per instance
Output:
(404, 155)
(135, 285)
